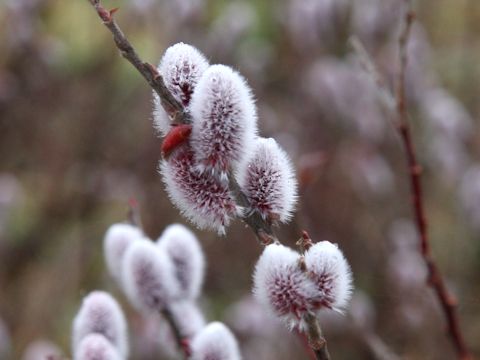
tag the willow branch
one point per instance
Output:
(316, 340)
(174, 108)
(134, 218)
(435, 280)
(262, 228)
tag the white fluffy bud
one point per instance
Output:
(215, 342)
(268, 180)
(282, 286)
(96, 347)
(188, 318)
(148, 276)
(201, 197)
(183, 248)
(224, 119)
(181, 67)
(100, 314)
(117, 239)
(331, 274)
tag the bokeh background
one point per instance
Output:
(76, 143)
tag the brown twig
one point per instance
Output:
(174, 108)
(435, 280)
(262, 228)
(316, 339)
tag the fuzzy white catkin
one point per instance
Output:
(215, 342)
(281, 286)
(96, 347)
(188, 317)
(148, 277)
(202, 198)
(224, 120)
(117, 239)
(101, 314)
(183, 248)
(181, 67)
(331, 273)
(268, 180)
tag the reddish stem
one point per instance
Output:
(435, 279)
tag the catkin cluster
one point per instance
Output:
(293, 285)
(166, 275)
(99, 329)
(201, 161)
(221, 145)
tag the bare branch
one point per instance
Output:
(435, 280)
(316, 339)
(174, 108)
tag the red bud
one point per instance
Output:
(175, 137)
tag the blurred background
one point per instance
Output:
(76, 143)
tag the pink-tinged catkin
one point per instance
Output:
(101, 314)
(117, 239)
(224, 120)
(268, 180)
(329, 270)
(282, 286)
(181, 67)
(96, 347)
(202, 198)
(215, 342)
(148, 277)
(188, 261)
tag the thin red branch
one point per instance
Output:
(435, 280)
(262, 228)
(182, 342)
